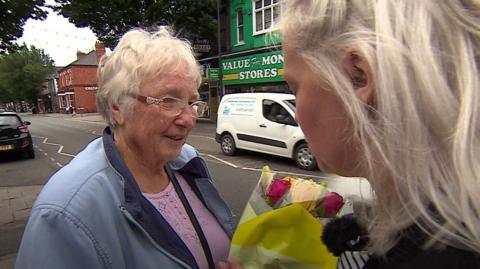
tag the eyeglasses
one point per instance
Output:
(173, 105)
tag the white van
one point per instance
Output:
(262, 122)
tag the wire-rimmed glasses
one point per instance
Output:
(173, 105)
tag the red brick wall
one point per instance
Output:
(76, 78)
(84, 75)
(85, 100)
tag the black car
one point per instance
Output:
(14, 135)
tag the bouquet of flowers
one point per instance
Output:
(280, 225)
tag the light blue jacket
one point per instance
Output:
(91, 214)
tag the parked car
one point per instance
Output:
(262, 122)
(15, 136)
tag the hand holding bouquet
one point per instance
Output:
(279, 226)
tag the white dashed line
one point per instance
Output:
(46, 154)
(53, 144)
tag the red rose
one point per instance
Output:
(277, 189)
(329, 206)
(332, 202)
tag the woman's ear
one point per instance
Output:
(116, 114)
(358, 71)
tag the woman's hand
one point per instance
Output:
(230, 264)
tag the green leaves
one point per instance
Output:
(22, 74)
(13, 15)
(110, 19)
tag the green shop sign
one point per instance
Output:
(212, 73)
(258, 68)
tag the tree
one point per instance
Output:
(22, 74)
(13, 15)
(110, 19)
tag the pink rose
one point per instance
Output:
(277, 189)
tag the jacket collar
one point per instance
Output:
(141, 209)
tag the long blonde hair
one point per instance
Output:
(424, 135)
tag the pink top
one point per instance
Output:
(171, 208)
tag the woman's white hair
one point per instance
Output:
(423, 128)
(138, 56)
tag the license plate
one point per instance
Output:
(6, 147)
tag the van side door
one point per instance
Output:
(276, 128)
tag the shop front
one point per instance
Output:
(261, 72)
(209, 91)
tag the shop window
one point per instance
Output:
(204, 92)
(275, 112)
(267, 13)
(240, 39)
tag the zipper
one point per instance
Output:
(132, 219)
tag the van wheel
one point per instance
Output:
(304, 158)
(227, 144)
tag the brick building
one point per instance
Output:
(77, 82)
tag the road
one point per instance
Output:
(58, 138)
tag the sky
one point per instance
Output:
(58, 37)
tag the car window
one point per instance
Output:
(9, 120)
(275, 112)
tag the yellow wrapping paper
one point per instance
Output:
(287, 237)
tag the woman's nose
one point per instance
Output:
(187, 118)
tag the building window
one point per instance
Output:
(267, 13)
(240, 27)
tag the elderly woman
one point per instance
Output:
(389, 90)
(138, 197)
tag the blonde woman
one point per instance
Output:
(390, 91)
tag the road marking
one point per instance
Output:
(260, 170)
(284, 172)
(202, 136)
(82, 120)
(209, 155)
(51, 159)
(223, 161)
(54, 144)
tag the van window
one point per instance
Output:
(275, 112)
(291, 104)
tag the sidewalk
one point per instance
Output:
(91, 117)
(15, 206)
